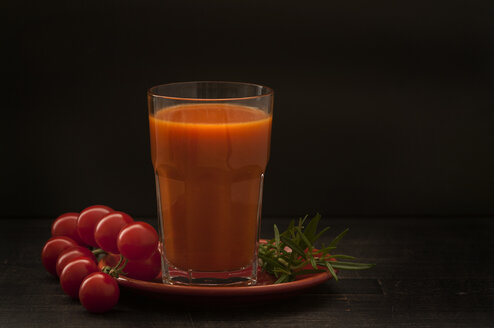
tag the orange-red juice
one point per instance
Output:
(209, 159)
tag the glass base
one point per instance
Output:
(243, 277)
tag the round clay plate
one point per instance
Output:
(264, 290)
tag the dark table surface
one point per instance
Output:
(431, 272)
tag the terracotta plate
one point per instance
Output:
(264, 290)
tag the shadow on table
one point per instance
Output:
(226, 307)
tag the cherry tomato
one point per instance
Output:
(107, 230)
(87, 221)
(74, 273)
(137, 241)
(99, 292)
(53, 247)
(66, 225)
(71, 253)
(146, 269)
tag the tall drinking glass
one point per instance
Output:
(210, 147)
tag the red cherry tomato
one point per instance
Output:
(137, 241)
(146, 269)
(74, 273)
(87, 221)
(71, 253)
(107, 230)
(52, 249)
(99, 292)
(66, 225)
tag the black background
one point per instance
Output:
(381, 108)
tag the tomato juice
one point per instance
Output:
(209, 160)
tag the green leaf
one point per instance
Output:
(272, 261)
(283, 278)
(326, 249)
(308, 244)
(280, 270)
(309, 254)
(290, 225)
(331, 269)
(276, 237)
(320, 233)
(311, 229)
(293, 246)
(298, 229)
(351, 265)
(335, 241)
(313, 262)
(289, 230)
(344, 257)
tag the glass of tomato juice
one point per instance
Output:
(210, 146)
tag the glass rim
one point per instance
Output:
(151, 91)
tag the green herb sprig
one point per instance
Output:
(292, 252)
